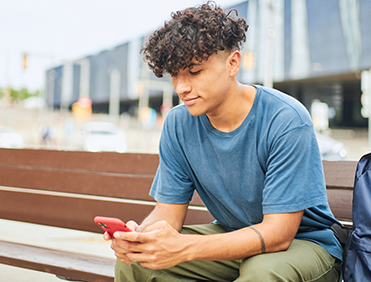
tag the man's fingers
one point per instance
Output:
(120, 251)
(133, 236)
(124, 259)
(126, 247)
(132, 225)
(106, 236)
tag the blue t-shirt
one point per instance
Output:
(269, 164)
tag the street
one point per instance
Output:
(139, 138)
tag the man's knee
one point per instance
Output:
(130, 272)
(261, 268)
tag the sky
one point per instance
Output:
(52, 32)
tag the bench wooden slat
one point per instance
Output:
(339, 174)
(76, 266)
(113, 162)
(91, 183)
(130, 186)
(341, 201)
(77, 211)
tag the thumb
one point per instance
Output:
(132, 225)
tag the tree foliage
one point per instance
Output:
(18, 95)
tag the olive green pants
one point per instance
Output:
(303, 261)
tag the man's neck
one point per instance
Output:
(234, 110)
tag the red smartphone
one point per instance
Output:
(111, 224)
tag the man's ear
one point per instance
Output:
(234, 62)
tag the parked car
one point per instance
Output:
(99, 136)
(10, 139)
(330, 149)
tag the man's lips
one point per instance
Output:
(190, 101)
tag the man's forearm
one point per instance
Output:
(268, 236)
(226, 246)
(171, 213)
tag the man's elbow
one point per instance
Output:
(280, 245)
(284, 245)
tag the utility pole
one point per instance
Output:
(270, 33)
(67, 86)
(84, 77)
(24, 67)
(366, 100)
(114, 99)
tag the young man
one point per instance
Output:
(251, 154)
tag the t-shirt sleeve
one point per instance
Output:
(294, 178)
(171, 184)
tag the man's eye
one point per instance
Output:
(195, 72)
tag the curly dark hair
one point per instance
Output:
(196, 32)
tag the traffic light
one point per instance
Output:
(24, 62)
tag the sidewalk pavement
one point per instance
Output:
(48, 237)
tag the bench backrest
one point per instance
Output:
(67, 189)
(339, 177)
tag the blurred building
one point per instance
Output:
(313, 50)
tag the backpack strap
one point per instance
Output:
(343, 233)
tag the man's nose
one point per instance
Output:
(183, 85)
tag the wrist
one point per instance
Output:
(194, 247)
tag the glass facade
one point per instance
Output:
(317, 49)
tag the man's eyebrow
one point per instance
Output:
(191, 65)
(194, 64)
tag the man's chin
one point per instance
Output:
(195, 113)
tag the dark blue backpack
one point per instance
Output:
(357, 251)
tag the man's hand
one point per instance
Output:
(122, 255)
(155, 242)
(159, 246)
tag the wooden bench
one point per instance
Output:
(68, 189)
